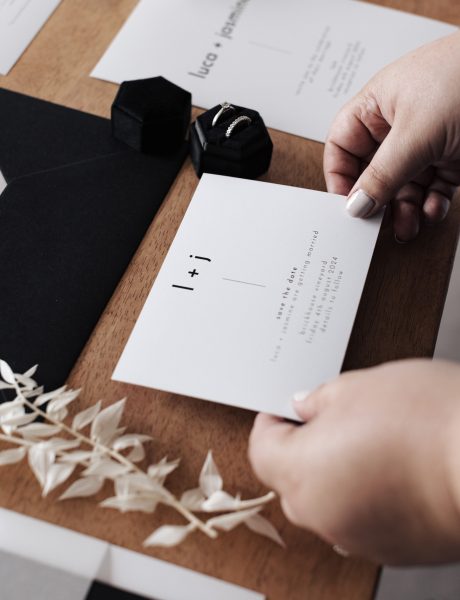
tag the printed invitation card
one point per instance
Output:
(256, 298)
(295, 61)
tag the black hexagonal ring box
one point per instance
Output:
(230, 140)
(151, 115)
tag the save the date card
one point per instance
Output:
(256, 298)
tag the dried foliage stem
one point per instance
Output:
(32, 422)
(209, 531)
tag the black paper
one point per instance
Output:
(77, 205)
(102, 591)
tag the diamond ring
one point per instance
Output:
(236, 122)
(224, 107)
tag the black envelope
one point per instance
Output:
(75, 209)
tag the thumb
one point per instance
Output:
(399, 159)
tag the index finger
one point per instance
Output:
(354, 136)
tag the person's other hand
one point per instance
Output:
(376, 467)
(398, 140)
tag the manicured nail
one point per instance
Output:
(360, 204)
(441, 210)
(301, 396)
(341, 551)
(402, 242)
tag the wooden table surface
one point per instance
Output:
(398, 317)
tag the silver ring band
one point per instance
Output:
(236, 122)
(224, 107)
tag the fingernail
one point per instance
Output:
(360, 204)
(440, 215)
(402, 242)
(301, 396)
(341, 551)
(445, 206)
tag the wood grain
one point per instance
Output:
(398, 317)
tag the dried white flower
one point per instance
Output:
(110, 454)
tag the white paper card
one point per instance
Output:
(256, 298)
(20, 21)
(153, 578)
(60, 548)
(296, 61)
(74, 560)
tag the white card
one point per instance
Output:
(76, 559)
(256, 298)
(295, 61)
(20, 21)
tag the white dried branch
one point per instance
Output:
(34, 428)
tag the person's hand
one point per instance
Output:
(398, 140)
(376, 467)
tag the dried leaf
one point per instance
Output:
(6, 372)
(260, 525)
(106, 422)
(77, 457)
(40, 460)
(169, 535)
(44, 398)
(193, 499)
(35, 392)
(85, 417)
(220, 501)
(18, 420)
(107, 468)
(82, 488)
(56, 475)
(131, 503)
(9, 410)
(60, 444)
(161, 470)
(31, 372)
(210, 479)
(130, 440)
(7, 407)
(137, 454)
(134, 483)
(27, 382)
(38, 430)
(58, 405)
(13, 456)
(133, 441)
(229, 521)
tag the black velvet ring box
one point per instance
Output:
(246, 153)
(151, 115)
